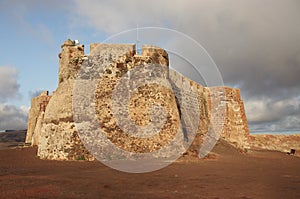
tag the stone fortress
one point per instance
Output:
(52, 129)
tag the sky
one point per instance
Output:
(254, 43)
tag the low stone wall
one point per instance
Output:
(282, 143)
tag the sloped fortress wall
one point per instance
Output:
(36, 117)
(235, 126)
(56, 134)
(219, 107)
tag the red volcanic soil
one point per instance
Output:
(257, 174)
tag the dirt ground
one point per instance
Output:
(230, 174)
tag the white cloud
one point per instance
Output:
(9, 86)
(13, 117)
(114, 16)
(273, 115)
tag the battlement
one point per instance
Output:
(72, 56)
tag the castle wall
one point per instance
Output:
(190, 108)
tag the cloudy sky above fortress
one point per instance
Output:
(255, 44)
